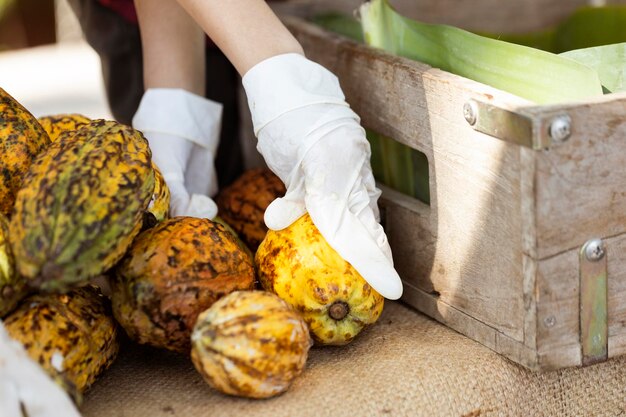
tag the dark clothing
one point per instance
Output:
(125, 8)
(115, 37)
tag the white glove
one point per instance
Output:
(23, 383)
(313, 141)
(183, 132)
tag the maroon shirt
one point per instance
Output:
(125, 8)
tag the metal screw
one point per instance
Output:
(594, 250)
(470, 111)
(549, 321)
(560, 128)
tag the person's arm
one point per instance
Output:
(180, 124)
(246, 31)
(307, 134)
(173, 46)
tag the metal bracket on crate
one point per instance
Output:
(593, 302)
(516, 126)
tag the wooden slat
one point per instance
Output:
(581, 184)
(434, 307)
(558, 286)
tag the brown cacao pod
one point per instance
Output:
(242, 204)
(172, 273)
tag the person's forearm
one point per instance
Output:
(173, 46)
(247, 31)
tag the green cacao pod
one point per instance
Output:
(81, 205)
(172, 273)
(72, 336)
(12, 285)
(250, 344)
(21, 139)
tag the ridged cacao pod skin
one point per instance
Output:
(242, 204)
(81, 205)
(21, 139)
(57, 124)
(250, 344)
(60, 124)
(72, 336)
(159, 204)
(299, 266)
(172, 273)
(12, 285)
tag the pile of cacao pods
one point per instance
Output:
(87, 247)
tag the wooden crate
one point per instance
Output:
(514, 197)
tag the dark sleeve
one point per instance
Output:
(118, 44)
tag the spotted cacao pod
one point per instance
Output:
(250, 344)
(12, 285)
(57, 124)
(242, 204)
(172, 273)
(21, 139)
(298, 265)
(81, 205)
(72, 336)
(159, 205)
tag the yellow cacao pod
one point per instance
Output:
(73, 336)
(12, 286)
(159, 205)
(298, 265)
(21, 139)
(250, 344)
(57, 124)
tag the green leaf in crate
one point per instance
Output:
(340, 23)
(399, 167)
(543, 39)
(591, 26)
(608, 61)
(530, 73)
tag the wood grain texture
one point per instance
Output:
(581, 183)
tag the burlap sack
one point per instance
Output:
(405, 365)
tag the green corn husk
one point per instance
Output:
(586, 27)
(530, 73)
(407, 174)
(591, 26)
(527, 72)
(608, 61)
(340, 23)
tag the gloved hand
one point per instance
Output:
(313, 141)
(25, 385)
(183, 132)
